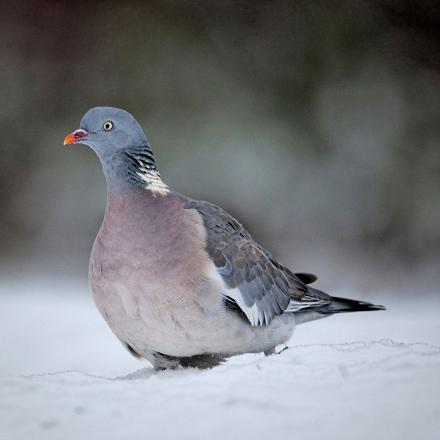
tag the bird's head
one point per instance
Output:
(122, 147)
(107, 130)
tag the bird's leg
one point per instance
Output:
(273, 351)
(283, 349)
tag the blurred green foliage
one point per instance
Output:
(316, 123)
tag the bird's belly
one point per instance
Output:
(177, 324)
(171, 314)
(150, 318)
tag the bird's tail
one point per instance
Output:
(344, 305)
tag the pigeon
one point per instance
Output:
(180, 282)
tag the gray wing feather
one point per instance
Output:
(260, 286)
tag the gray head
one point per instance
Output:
(120, 143)
(107, 130)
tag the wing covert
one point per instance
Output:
(255, 282)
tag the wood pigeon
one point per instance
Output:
(181, 282)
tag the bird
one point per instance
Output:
(180, 282)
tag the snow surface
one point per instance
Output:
(63, 375)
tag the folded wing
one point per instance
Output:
(254, 282)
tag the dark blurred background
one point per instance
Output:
(317, 124)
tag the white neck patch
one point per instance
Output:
(154, 182)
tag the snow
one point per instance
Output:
(63, 375)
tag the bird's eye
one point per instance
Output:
(107, 126)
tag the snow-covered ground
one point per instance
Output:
(361, 376)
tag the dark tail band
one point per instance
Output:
(344, 305)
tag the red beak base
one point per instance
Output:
(75, 137)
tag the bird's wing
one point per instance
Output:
(254, 282)
(306, 277)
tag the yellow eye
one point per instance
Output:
(107, 126)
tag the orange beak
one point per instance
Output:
(75, 137)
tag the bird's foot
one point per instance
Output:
(273, 351)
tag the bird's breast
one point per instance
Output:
(148, 276)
